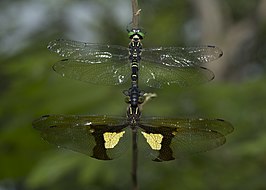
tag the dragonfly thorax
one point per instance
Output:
(133, 114)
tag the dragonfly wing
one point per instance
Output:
(105, 73)
(181, 56)
(174, 138)
(88, 52)
(94, 63)
(97, 136)
(157, 76)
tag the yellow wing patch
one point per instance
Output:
(154, 140)
(112, 139)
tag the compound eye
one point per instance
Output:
(127, 100)
(141, 100)
(130, 33)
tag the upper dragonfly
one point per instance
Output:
(109, 64)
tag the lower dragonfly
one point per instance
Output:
(103, 137)
(107, 137)
(109, 64)
(99, 136)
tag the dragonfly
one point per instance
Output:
(113, 64)
(106, 137)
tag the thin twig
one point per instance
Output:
(136, 13)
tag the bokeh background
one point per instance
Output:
(29, 88)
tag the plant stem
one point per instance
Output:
(134, 159)
(136, 13)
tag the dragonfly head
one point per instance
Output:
(136, 33)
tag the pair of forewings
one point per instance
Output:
(105, 138)
(109, 64)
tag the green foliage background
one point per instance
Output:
(29, 88)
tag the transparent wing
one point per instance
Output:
(104, 73)
(157, 76)
(94, 63)
(181, 56)
(89, 52)
(97, 136)
(179, 137)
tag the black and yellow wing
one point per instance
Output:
(97, 136)
(173, 138)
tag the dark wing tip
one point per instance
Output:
(211, 46)
(221, 53)
(36, 122)
(229, 127)
(212, 77)
(211, 74)
(45, 116)
(59, 64)
(218, 50)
